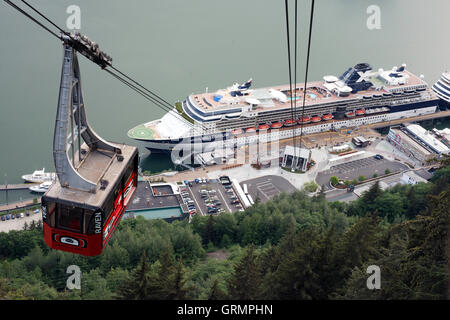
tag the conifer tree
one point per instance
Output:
(137, 288)
(245, 282)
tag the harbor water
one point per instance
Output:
(177, 47)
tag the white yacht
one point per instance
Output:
(42, 188)
(39, 176)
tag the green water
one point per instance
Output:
(177, 47)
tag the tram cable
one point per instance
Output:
(311, 17)
(150, 95)
(31, 18)
(286, 8)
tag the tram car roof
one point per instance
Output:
(99, 165)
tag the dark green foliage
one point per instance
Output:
(293, 247)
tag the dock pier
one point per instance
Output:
(21, 186)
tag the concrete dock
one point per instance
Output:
(21, 186)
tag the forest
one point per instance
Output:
(292, 247)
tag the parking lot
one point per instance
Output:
(18, 223)
(267, 187)
(206, 197)
(366, 167)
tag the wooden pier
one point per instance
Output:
(21, 186)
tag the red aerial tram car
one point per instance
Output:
(82, 222)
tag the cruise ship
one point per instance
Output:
(240, 115)
(442, 90)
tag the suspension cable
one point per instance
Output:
(145, 92)
(31, 18)
(286, 6)
(311, 17)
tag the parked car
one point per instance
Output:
(7, 217)
(36, 211)
(18, 215)
(379, 157)
(235, 201)
(27, 213)
(13, 216)
(3, 218)
(22, 215)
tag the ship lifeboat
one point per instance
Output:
(237, 131)
(289, 123)
(251, 129)
(316, 119)
(304, 120)
(360, 112)
(350, 114)
(326, 117)
(263, 127)
(276, 125)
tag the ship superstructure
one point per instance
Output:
(442, 89)
(241, 115)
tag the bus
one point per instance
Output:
(83, 222)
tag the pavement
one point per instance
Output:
(19, 223)
(366, 167)
(215, 189)
(267, 187)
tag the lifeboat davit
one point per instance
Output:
(251, 129)
(360, 112)
(289, 123)
(350, 114)
(237, 131)
(276, 125)
(326, 117)
(263, 127)
(304, 120)
(316, 119)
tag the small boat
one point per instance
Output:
(304, 120)
(316, 119)
(276, 125)
(42, 188)
(263, 127)
(237, 131)
(360, 112)
(39, 176)
(350, 114)
(251, 129)
(289, 123)
(326, 117)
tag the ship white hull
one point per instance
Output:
(274, 135)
